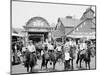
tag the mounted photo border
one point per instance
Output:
(46, 3)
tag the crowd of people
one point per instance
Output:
(18, 49)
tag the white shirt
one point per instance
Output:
(15, 47)
(23, 49)
(31, 48)
(50, 47)
(42, 52)
(67, 56)
(58, 48)
(70, 43)
(44, 44)
(74, 43)
(66, 46)
(83, 46)
(18, 53)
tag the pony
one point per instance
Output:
(39, 49)
(46, 57)
(72, 54)
(51, 56)
(85, 55)
(31, 60)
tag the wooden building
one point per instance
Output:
(79, 28)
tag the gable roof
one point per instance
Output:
(76, 27)
(84, 27)
(69, 22)
(18, 32)
(88, 9)
(59, 31)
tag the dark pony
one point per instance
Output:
(46, 57)
(31, 60)
(85, 55)
(39, 48)
(72, 52)
(52, 57)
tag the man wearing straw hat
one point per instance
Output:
(50, 48)
(67, 46)
(83, 45)
(29, 53)
(82, 48)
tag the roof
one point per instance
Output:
(17, 31)
(88, 9)
(69, 22)
(18, 35)
(86, 27)
(59, 31)
(60, 27)
(67, 30)
(37, 22)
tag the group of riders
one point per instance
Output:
(62, 50)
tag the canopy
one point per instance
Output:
(88, 36)
(19, 35)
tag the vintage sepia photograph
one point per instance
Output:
(52, 37)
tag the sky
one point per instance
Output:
(23, 11)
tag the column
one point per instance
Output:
(26, 38)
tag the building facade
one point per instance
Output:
(78, 28)
(37, 29)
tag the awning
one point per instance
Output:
(18, 35)
(88, 36)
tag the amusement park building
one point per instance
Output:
(78, 28)
(38, 29)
